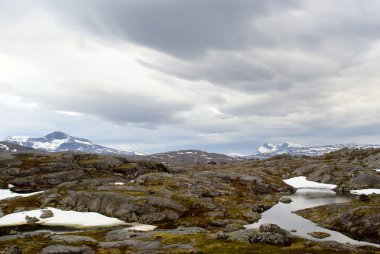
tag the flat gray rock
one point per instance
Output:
(64, 249)
(73, 239)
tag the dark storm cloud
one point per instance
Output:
(184, 29)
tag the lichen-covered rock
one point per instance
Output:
(31, 220)
(285, 200)
(221, 235)
(73, 239)
(64, 249)
(46, 214)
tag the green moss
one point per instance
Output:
(30, 203)
(209, 244)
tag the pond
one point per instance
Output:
(282, 215)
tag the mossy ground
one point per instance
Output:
(202, 243)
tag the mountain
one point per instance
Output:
(12, 148)
(190, 157)
(270, 150)
(62, 142)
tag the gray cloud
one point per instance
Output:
(184, 29)
(113, 105)
(224, 75)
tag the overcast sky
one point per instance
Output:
(218, 75)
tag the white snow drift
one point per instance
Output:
(142, 228)
(62, 218)
(365, 191)
(5, 193)
(300, 182)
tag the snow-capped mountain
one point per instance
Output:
(270, 150)
(13, 148)
(62, 142)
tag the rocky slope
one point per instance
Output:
(190, 157)
(13, 148)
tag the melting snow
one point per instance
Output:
(5, 193)
(300, 182)
(62, 218)
(365, 191)
(119, 183)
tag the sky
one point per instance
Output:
(217, 75)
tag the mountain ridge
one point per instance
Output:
(58, 141)
(269, 150)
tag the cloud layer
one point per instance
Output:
(219, 75)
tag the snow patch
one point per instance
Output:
(6, 148)
(5, 193)
(143, 228)
(119, 183)
(365, 191)
(62, 218)
(83, 142)
(267, 148)
(50, 146)
(300, 182)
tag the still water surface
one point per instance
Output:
(281, 214)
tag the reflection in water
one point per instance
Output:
(281, 214)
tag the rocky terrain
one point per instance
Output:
(198, 207)
(359, 219)
(189, 157)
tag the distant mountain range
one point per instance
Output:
(62, 142)
(270, 150)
